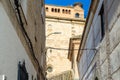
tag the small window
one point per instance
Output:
(69, 11)
(66, 11)
(55, 10)
(58, 10)
(52, 9)
(49, 69)
(63, 11)
(102, 22)
(35, 39)
(77, 15)
(46, 8)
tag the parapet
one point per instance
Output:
(70, 12)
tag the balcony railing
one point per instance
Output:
(67, 75)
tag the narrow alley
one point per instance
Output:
(59, 40)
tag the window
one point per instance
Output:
(46, 8)
(102, 22)
(63, 11)
(69, 11)
(58, 10)
(77, 15)
(66, 11)
(22, 72)
(52, 9)
(49, 69)
(35, 39)
(55, 10)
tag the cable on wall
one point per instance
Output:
(17, 6)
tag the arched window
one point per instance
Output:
(58, 10)
(49, 68)
(52, 9)
(55, 10)
(46, 8)
(77, 15)
(66, 11)
(69, 11)
(63, 11)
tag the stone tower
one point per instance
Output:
(62, 23)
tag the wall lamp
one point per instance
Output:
(53, 33)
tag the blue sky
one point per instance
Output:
(85, 3)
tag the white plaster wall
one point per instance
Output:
(24, 7)
(11, 50)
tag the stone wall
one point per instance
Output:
(105, 63)
(58, 57)
(58, 44)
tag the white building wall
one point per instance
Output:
(11, 50)
(24, 7)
